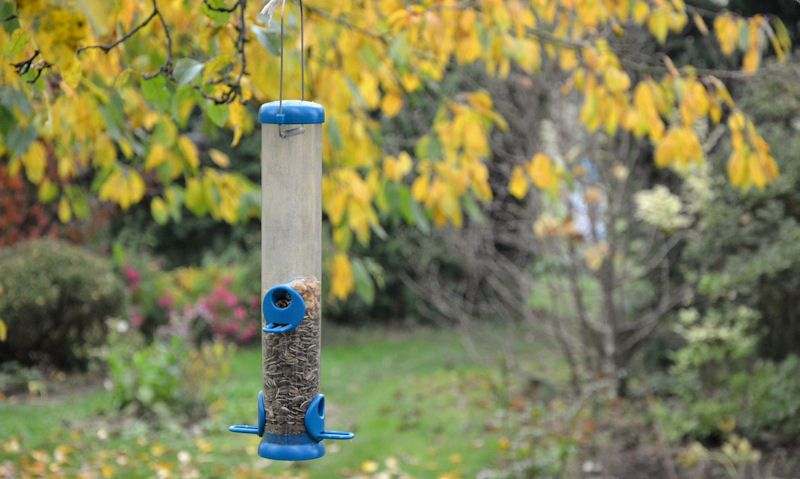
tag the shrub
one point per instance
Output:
(166, 378)
(15, 379)
(746, 246)
(213, 301)
(55, 299)
(721, 387)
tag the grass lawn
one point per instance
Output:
(419, 403)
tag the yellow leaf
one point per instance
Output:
(342, 282)
(595, 255)
(204, 446)
(397, 168)
(726, 29)
(47, 191)
(195, 200)
(368, 87)
(158, 208)
(189, 151)
(694, 103)
(219, 158)
(3, 331)
(239, 119)
(419, 189)
(679, 147)
(567, 59)
(640, 11)
(107, 471)
(134, 190)
(700, 24)
(71, 72)
(757, 174)
(518, 185)
(543, 173)
(64, 211)
(411, 82)
(616, 80)
(658, 24)
(369, 467)
(752, 59)
(104, 152)
(392, 103)
(155, 158)
(35, 160)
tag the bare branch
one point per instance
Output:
(108, 47)
(167, 67)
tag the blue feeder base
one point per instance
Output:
(290, 448)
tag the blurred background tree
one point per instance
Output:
(616, 175)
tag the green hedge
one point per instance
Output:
(55, 300)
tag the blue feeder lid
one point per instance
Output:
(295, 112)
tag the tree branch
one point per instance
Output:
(221, 9)
(107, 48)
(167, 67)
(234, 88)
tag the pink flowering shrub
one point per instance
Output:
(196, 304)
(231, 317)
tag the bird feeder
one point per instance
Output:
(291, 410)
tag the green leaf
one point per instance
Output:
(218, 114)
(429, 147)
(118, 253)
(8, 11)
(370, 57)
(17, 43)
(376, 271)
(365, 288)
(159, 210)
(473, 210)
(19, 140)
(186, 70)
(145, 394)
(335, 134)
(155, 90)
(211, 9)
(78, 201)
(420, 219)
(47, 191)
(399, 51)
(269, 39)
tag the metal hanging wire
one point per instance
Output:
(287, 132)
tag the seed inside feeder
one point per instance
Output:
(291, 363)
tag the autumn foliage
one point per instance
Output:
(108, 92)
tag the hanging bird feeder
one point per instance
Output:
(291, 410)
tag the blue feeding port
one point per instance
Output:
(283, 310)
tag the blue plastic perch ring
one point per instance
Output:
(315, 422)
(302, 447)
(258, 429)
(293, 112)
(281, 318)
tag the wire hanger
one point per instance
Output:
(269, 12)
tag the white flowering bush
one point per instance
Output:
(660, 208)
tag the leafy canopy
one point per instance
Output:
(95, 97)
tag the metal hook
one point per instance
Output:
(290, 132)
